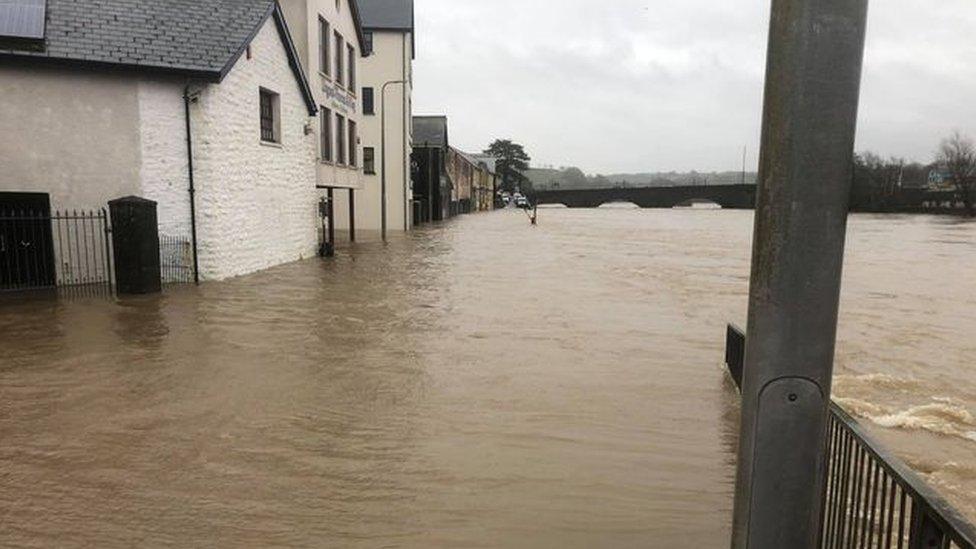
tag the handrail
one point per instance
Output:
(872, 498)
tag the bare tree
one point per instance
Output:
(957, 156)
(877, 181)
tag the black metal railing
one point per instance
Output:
(175, 255)
(67, 251)
(872, 499)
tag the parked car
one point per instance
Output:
(522, 202)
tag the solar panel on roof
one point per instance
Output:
(22, 19)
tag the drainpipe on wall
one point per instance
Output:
(193, 201)
(406, 167)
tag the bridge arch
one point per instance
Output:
(620, 204)
(700, 204)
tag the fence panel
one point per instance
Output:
(175, 254)
(69, 251)
(872, 499)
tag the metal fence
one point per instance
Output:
(69, 251)
(872, 499)
(175, 254)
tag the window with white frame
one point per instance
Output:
(340, 52)
(352, 144)
(270, 113)
(325, 128)
(340, 139)
(351, 68)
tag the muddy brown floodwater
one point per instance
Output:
(482, 383)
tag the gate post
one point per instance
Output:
(135, 240)
(813, 80)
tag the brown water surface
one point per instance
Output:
(482, 383)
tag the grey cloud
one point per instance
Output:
(628, 85)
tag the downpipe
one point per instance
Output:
(187, 99)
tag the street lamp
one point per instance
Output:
(383, 151)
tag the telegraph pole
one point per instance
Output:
(813, 81)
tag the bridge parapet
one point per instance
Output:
(737, 197)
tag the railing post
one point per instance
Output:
(812, 88)
(925, 532)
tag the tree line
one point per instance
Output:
(896, 185)
(880, 184)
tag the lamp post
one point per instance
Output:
(813, 80)
(383, 152)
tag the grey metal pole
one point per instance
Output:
(383, 153)
(813, 81)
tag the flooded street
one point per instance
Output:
(483, 383)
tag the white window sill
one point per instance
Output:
(272, 144)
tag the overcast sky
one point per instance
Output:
(638, 85)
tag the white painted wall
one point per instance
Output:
(86, 138)
(164, 171)
(69, 133)
(256, 203)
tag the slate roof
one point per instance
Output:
(430, 131)
(490, 162)
(387, 14)
(201, 39)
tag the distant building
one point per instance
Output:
(105, 98)
(461, 172)
(389, 31)
(940, 181)
(432, 188)
(474, 178)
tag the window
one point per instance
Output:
(368, 102)
(351, 69)
(270, 117)
(369, 160)
(325, 128)
(324, 37)
(368, 40)
(352, 144)
(340, 139)
(340, 50)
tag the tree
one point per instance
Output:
(878, 182)
(957, 157)
(512, 163)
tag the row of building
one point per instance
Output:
(250, 123)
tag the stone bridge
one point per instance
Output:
(734, 197)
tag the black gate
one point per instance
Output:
(67, 251)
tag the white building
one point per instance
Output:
(107, 98)
(387, 80)
(330, 43)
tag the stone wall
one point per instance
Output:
(256, 202)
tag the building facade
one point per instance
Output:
(329, 38)
(387, 88)
(191, 103)
(487, 185)
(432, 187)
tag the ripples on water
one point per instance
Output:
(478, 384)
